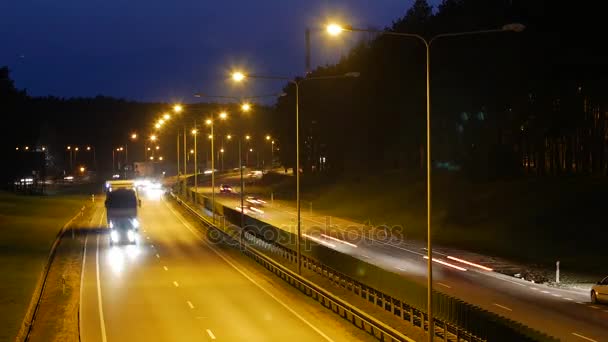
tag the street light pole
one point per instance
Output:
(238, 77)
(334, 30)
(195, 164)
(212, 174)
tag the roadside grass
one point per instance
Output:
(532, 220)
(28, 225)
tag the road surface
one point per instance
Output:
(174, 285)
(563, 313)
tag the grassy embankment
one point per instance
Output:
(28, 225)
(531, 220)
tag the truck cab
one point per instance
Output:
(121, 209)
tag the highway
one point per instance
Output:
(563, 313)
(175, 285)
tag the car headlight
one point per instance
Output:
(114, 236)
(111, 224)
(130, 235)
(135, 223)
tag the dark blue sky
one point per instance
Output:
(167, 50)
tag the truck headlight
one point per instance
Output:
(131, 235)
(114, 236)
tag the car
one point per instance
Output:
(255, 200)
(599, 291)
(225, 189)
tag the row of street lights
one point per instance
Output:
(335, 30)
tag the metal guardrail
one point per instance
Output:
(30, 315)
(356, 316)
(455, 320)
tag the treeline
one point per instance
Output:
(503, 104)
(104, 123)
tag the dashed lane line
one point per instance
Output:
(210, 333)
(503, 307)
(583, 337)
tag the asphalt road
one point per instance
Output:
(563, 313)
(175, 285)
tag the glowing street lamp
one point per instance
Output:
(82, 169)
(238, 76)
(334, 29)
(166, 116)
(27, 148)
(153, 137)
(267, 137)
(157, 125)
(133, 136)
(177, 108)
(245, 107)
(160, 158)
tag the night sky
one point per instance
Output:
(166, 50)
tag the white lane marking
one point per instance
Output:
(190, 304)
(566, 298)
(605, 310)
(400, 268)
(444, 285)
(583, 337)
(210, 333)
(158, 256)
(470, 263)
(102, 323)
(84, 262)
(287, 307)
(166, 268)
(175, 283)
(556, 295)
(534, 288)
(545, 292)
(580, 303)
(502, 307)
(594, 307)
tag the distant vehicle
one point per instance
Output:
(255, 200)
(247, 209)
(119, 184)
(599, 291)
(225, 189)
(255, 174)
(121, 209)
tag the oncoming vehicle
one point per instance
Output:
(599, 291)
(255, 200)
(225, 189)
(121, 209)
